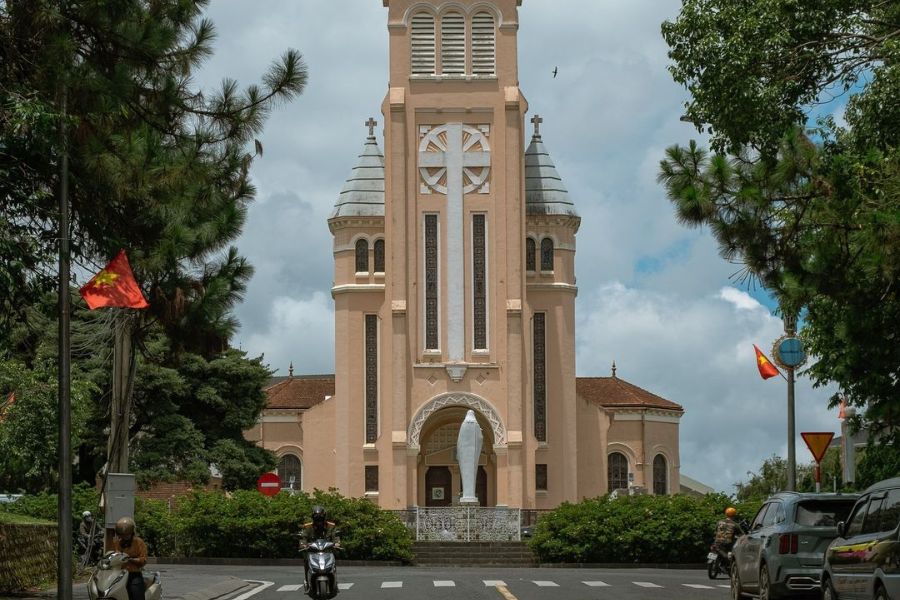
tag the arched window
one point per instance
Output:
(530, 253)
(422, 44)
(289, 472)
(617, 472)
(453, 44)
(660, 475)
(362, 255)
(379, 256)
(546, 254)
(483, 45)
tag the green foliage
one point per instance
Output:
(247, 524)
(635, 529)
(814, 216)
(878, 462)
(44, 506)
(772, 477)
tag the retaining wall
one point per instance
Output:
(27, 555)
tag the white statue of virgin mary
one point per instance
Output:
(468, 451)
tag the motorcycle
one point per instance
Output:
(110, 580)
(89, 547)
(321, 573)
(718, 561)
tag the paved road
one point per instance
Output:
(358, 583)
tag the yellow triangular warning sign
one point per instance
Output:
(817, 442)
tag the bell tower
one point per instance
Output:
(436, 242)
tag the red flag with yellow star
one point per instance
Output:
(114, 286)
(766, 368)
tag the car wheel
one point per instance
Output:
(765, 586)
(828, 592)
(736, 591)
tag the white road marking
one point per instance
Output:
(438, 583)
(345, 586)
(289, 588)
(262, 585)
(727, 587)
(545, 583)
(699, 586)
(595, 583)
(391, 584)
(646, 584)
(493, 582)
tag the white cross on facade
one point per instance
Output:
(458, 161)
(371, 123)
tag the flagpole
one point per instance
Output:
(64, 505)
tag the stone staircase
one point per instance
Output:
(473, 554)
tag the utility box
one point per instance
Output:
(120, 489)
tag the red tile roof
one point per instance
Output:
(303, 391)
(613, 392)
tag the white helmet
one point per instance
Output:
(86, 514)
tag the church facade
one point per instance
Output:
(454, 289)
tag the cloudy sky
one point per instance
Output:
(654, 296)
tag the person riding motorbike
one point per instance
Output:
(128, 543)
(86, 525)
(89, 542)
(319, 528)
(727, 531)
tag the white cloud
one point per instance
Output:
(654, 296)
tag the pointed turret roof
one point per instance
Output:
(363, 193)
(545, 193)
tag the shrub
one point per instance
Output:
(44, 505)
(636, 529)
(246, 524)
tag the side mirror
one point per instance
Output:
(840, 528)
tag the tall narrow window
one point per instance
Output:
(530, 253)
(540, 477)
(453, 44)
(371, 378)
(479, 283)
(540, 379)
(422, 44)
(362, 256)
(616, 472)
(371, 478)
(289, 472)
(379, 256)
(483, 45)
(660, 475)
(431, 282)
(546, 254)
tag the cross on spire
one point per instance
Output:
(537, 120)
(371, 123)
(614, 369)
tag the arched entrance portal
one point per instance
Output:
(439, 480)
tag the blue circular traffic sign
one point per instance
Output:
(790, 353)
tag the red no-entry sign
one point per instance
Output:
(268, 484)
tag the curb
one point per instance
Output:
(672, 566)
(265, 562)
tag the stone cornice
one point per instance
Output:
(341, 222)
(357, 288)
(553, 221)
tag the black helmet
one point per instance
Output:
(319, 515)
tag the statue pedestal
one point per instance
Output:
(469, 502)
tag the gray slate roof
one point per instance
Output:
(363, 193)
(545, 193)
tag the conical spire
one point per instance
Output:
(363, 193)
(545, 193)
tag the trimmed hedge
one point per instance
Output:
(634, 529)
(246, 524)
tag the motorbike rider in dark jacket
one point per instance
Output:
(320, 528)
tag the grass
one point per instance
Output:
(7, 518)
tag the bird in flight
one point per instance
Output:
(555, 71)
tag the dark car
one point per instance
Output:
(864, 560)
(782, 554)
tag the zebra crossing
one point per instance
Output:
(497, 583)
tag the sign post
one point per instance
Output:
(817, 442)
(268, 484)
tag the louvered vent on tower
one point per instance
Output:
(483, 45)
(453, 44)
(422, 44)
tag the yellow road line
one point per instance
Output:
(506, 593)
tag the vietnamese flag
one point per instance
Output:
(766, 368)
(114, 286)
